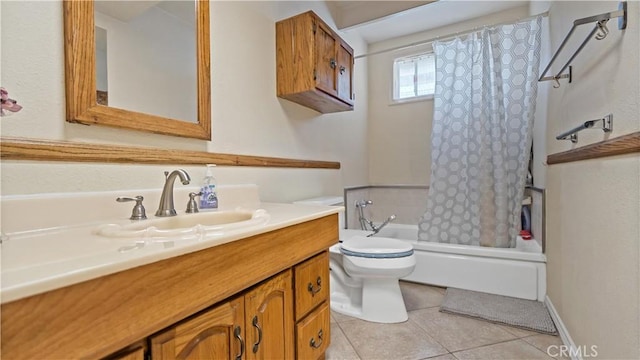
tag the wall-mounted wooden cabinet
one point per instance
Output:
(314, 65)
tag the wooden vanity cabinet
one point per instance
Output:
(314, 65)
(257, 325)
(260, 323)
(190, 306)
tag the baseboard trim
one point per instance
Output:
(562, 329)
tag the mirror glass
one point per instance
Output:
(142, 65)
(102, 77)
(146, 57)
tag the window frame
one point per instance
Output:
(394, 79)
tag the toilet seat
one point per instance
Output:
(376, 248)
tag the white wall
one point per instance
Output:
(593, 206)
(400, 135)
(247, 117)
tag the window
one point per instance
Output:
(414, 77)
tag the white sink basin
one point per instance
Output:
(191, 220)
(186, 226)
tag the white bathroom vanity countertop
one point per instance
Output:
(42, 260)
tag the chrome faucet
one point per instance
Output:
(376, 229)
(166, 207)
(366, 224)
(360, 205)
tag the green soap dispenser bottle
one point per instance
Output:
(209, 197)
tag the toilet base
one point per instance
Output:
(376, 300)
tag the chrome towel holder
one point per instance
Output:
(572, 135)
(600, 30)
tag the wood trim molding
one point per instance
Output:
(625, 144)
(56, 150)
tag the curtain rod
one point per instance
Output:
(450, 36)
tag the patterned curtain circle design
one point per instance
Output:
(484, 104)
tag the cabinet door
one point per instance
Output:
(326, 62)
(345, 73)
(269, 319)
(313, 334)
(215, 334)
(311, 284)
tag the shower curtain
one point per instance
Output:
(484, 103)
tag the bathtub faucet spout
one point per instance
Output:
(366, 224)
(376, 229)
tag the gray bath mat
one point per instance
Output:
(525, 314)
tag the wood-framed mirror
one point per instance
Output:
(81, 80)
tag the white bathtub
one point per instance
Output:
(518, 272)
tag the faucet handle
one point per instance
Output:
(138, 212)
(192, 205)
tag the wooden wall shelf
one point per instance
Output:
(55, 150)
(625, 144)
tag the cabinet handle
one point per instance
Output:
(332, 63)
(236, 333)
(342, 69)
(312, 342)
(316, 290)
(255, 325)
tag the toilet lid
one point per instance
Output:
(375, 247)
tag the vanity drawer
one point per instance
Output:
(311, 284)
(313, 334)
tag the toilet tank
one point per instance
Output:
(327, 201)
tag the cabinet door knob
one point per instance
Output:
(236, 333)
(312, 290)
(342, 69)
(254, 322)
(332, 63)
(313, 343)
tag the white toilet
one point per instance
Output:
(365, 272)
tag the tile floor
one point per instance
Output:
(430, 334)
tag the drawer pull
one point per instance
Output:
(236, 333)
(313, 290)
(312, 342)
(255, 325)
